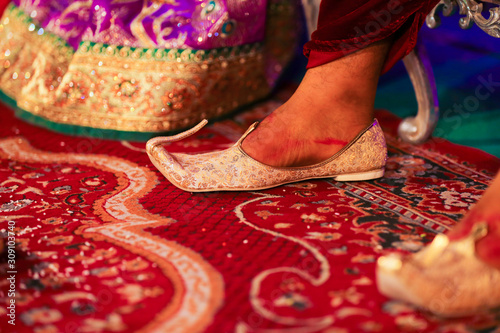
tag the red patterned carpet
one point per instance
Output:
(106, 244)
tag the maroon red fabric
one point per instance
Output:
(347, 26)
(3, 4)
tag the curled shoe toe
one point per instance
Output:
(232, 169)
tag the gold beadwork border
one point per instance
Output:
(135, 89)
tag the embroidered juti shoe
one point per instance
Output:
(445, 278)
(232, 169)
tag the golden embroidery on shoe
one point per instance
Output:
(233, 170)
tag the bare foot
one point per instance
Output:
(333, 103)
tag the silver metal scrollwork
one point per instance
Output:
(473, 13)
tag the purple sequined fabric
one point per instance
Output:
(196, 24)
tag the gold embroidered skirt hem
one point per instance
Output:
(106, 88)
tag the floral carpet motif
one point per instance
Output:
(105, 244)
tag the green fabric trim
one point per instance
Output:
(75, 130)
(177, 55)
(171, 55)
(104, 134)
(8, 100)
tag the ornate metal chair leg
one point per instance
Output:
(419, 128)
(311, 12)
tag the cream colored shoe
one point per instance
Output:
(232, 169)
(445, 278)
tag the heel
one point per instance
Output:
(359, 176)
